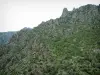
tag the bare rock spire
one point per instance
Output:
(65, 12)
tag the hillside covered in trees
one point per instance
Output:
(5, 37)
(68, 45)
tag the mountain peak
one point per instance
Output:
(65, 12)
(87, 13)
(72, 41)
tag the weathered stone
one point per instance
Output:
(65, 12)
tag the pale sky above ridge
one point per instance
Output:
(17, 14)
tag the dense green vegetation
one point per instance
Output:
(69, 45)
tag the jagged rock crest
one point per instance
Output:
(65, 12)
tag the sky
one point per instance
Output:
(17, 14)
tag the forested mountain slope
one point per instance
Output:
(5, 37)
(69, 45)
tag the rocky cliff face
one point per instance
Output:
(68, 45)
(65, 12)
(87, 14)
